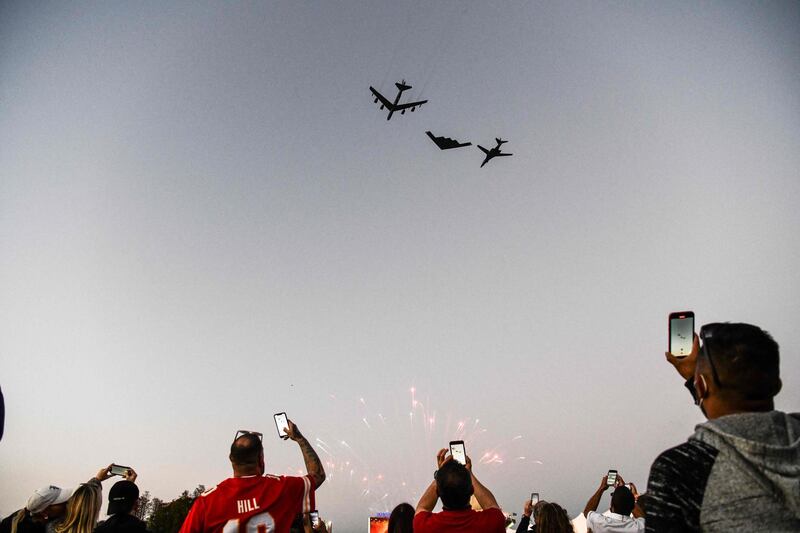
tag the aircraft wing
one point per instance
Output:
(409, 104)
(383, 100)
(446, 143)
(484, 150)
(504, 154)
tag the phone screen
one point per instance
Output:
(119, 470)
(282, 422)
(612, 477)
(458, 451)
(681, 333)
(534, 498)
(314, 519)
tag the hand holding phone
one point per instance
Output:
(458, 451)
(534, 498)
(611, 479)
(314, 519)
(118, 470)
(681, 333)
(282, 423)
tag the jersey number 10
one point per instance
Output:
(260, 523)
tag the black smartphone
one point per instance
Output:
(458, 451)
(314, 515)
(681, 333)
(119, 470)
(534, 498)
(612, 478)
(282, 423)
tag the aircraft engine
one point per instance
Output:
(403, 112)
(412, 109)
(381, 107)
(376, 100)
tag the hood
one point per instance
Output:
(765, 445)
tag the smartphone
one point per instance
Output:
(314, 519)
(534, 498)
(681, 333)
(612, 478)
(282, 422)
(458, 451)
(119, 470)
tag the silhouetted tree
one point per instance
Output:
(144, 506)
(168, 517)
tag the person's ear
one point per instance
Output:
(778, 387)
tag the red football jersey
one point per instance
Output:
(252, 504)
(466, 521)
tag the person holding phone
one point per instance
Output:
(623, 503)
(542, 516)
(738, 471)
(123, 502)
(251, 500)
(455, 483)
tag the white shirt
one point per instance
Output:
(613, 522)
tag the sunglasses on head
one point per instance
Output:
(707, 332)
(242, 433)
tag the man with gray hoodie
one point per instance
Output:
(740, 471)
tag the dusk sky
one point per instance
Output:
(205, 220)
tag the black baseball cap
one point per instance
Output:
(122, 497)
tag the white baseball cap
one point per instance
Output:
(46, 496)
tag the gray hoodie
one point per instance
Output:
(736, 473)
(754, 483)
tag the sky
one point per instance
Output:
(205, 220)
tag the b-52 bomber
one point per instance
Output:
(395, 106)
(494, 152)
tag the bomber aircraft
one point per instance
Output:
(494, 152)
(395, 106)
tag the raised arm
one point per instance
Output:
(431, 495)
(637, 511)
(484, 496)
(594, 501)
(428, 500)
(313, 463)
(685, 366)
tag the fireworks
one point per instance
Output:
(390, 462)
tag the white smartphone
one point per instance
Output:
(458, 451)
(681, 333)
(282, 423)
(612, 478)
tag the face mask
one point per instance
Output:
(700, 402)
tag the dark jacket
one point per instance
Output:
(25, 526)
(524, 523)
(121, 523)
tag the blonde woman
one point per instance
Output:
(83, 508)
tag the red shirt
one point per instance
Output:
(252, 504)
(465, 521)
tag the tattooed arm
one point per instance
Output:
(313, 464)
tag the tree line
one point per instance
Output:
(166, 517)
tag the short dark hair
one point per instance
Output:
(246, 450)
(454, 485)
(746, 359)
(402, 519)
(622, 501)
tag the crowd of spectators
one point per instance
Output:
(739, 471)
